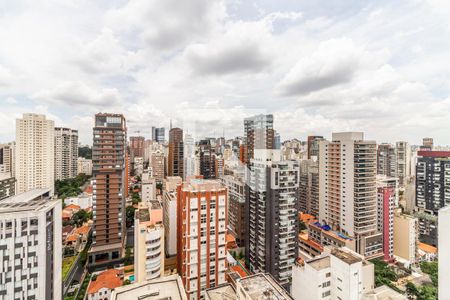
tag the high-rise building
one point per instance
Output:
(148, 187)
(170, 213)
(427, 143)
(207, 159)
(7, 185)
(259, 134)
(313, 145)
(202, 227)
(403, 160)
(444, 253)
(309, 187)
(432, 190)
(189, 156)
(66, 153)
(35, 153)
(236, 207)
(405, 238)
(337, 274)
(347, 189)
(137, 147)
(158, 134)
(149, 251)
(176, 155)
(109, 183)
(157, 165)
(7, 159)
(272, 215)
(387, 160)
(387, 190)
(31, 246)
(84, 166)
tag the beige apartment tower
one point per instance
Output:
(66, 153)
(34, 157)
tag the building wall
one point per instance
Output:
(176, 156)
(405, 229)
(66, 153)
(444, 253)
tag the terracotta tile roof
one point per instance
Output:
(66, 214)
(230, 238)
(238, 269)
(67, 229)
(71, 238)
(72, 207)
(109, 279)
(306, 218)
(88, 189)
(427, 248)
(82, 230)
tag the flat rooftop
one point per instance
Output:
(170, 287)
(320, 263)
(32, 200)
(225, 291)
(196, 184)
(263, 287)
(347, 257)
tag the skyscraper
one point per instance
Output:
(159, 134)
(259, 134)
(66, 153)
(236, 207)
(403, 161)
(109, 168)
(313, 145)
(157, 165)
(189, 156)
(137, 147)
(347, 189)
(7, 159)
(309, 187)
(202, 226)
(387, 160)
(207, 159)
(35, 153)
(31, 246)
(427, 143)
(176, 155)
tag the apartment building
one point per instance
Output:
(30, 246)
(66, 153)
(149, 253)
(109, 187)
(7, 159)
(189, 156)
(157, 165)
(202, 227)
(176, 155)
(405, 238)
(34, 153)
(148, 187)
(170, 213)
(84, 166)
(236, 207)
(260, 286)
(159, 134)
(313, 145)
(7, 185)
(403, 159)
(347, 189)
(309, 187)
(387, 160)
(272, 215)
(137, 147)
(259, 134)
(444, 253)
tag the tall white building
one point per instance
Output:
(337, 274)
(66, 153)
(148, 187)
(34, 159)
(30, 246)
(347, 189)
(148, 242)
(170, 213)
(84, 166)
(444, 253)
(404, 169)
(189, 156)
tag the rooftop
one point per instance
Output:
(320, 263)
(263, 287)
(383, 293)
(197, 184)
(225, 291)
(169, 287)
(427, 248)
(346, 257)
(32, 200)
(109, 279)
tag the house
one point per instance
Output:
(427, 252)
(100, 287)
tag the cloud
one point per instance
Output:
(5, 76)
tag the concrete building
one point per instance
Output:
(170, 287)
(148, 188)
(432, 191)
(403, 159)
(157, 165)
(176, 155)
(202, 227)
(7, 159)
(102, 287)
(109, 187)
(427, 143)
(84, 166)
(84, 201)
(159, 134)
(30, 246)
(383, 293)
(313, 145)
(66, 153)
(7, 185)
(347, 190)
(35, 153)
(338, 274)
(387, 194)
(236, 207)
(170, 213)
(272, 215)
(149, 251)
(137, 147)
(207, 159)
(309, 187)
(387, 160)
(260, 286)
(259, 134)
(405, 238)
(138, 165)
(189, 156)
(444, 253)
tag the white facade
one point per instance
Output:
(66, 153)
(139, 166)
(84, 201)
(35, 153)
(341, 274)
(444, 253)
(189, 156)
(170, 222)
(404, 167)
(84, 166)
(30, 246)
(148, 188)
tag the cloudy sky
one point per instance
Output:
(382, 67)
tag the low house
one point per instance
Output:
(103, 284)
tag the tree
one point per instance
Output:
(85, 151)
(80, 217)
(302, 226)
(128, 260)
(129, 212)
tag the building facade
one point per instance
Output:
(31, 246)
(202, 227)
(84, 166)
(236, 207)
(405, 238)
(170, 213)
(387, 160)
(403, 159)
(176, 155)
(137, 146)
(189, 156)
(309, 187)
(158, 134)
(259, 134)
(66, 153)
(207, 159)
(35, 153)
(109, 187)
(7, 186)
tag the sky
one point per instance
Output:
(381, 67)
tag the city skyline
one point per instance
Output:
(318, 68)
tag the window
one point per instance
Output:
(326, 294)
